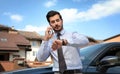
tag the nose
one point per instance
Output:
(56, 23)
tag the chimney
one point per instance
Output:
(12, 27)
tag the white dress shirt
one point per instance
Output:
(71, 51)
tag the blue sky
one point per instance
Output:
(99, 19)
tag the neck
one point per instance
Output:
(58, 31)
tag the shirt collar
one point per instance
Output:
(61, 32)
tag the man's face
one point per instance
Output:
(56, 23)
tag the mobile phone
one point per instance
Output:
(51, 31)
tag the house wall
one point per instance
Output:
(31, 55)
(116, 39)
(20, 54)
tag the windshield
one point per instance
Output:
(87, 52)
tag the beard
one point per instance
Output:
(58, 28)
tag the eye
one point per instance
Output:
(57, 20)
(52, 22)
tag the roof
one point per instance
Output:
(31, 35)
(112, 37)
(3, 27)
(12, 41)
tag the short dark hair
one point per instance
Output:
(52, 13)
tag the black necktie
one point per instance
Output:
(61, 60)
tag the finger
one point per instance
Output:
(54, 47)
(58, 42)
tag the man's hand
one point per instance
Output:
(56, 44)
(48, 35)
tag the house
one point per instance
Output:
(18, 49)
(115, 38)
(12, 44)
(35, 40)
(93, 41)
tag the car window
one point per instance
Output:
(85, 55)
(113, 51)
(110, 60)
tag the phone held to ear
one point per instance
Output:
(51, 31)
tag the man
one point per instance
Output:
(69, 43)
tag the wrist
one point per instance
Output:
(46, 39)
(64, 42)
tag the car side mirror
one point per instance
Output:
(107, 62)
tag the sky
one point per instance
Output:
(99, 19)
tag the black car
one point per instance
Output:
(103, 58)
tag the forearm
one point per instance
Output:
(78, 40)
(43, 52)
(79, 43)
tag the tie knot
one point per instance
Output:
(58, 35)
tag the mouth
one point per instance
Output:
(57, 27)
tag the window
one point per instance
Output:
(15, 56)
(35, 43)
(3, 39)
(34, 53)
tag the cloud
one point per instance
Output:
(50, 3)
(101, 10)
(97, 11)
(14, 17)
(35, 28)
(69, 15)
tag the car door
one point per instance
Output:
(114, 60)
(110, 52)
(113, 70)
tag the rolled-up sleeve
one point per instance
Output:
(43, 52)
